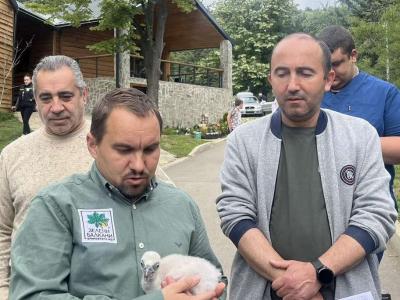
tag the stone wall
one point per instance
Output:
(183, 104)
(180, 104)
(97, 88)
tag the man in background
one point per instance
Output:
(25, 103)
(359, 94)
(55, 150)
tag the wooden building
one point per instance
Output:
(184, 31)
(8, 9)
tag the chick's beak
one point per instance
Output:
(147, 273)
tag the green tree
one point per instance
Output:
(314, 20)
(378, 44)
(141, 24)
(255, 26)
(368, 10)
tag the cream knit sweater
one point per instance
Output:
(27, 165)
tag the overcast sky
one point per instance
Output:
(302, 3)
(312, 3)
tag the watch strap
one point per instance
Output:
(317, 264)
(324, 275)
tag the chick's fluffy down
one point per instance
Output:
(178, 266)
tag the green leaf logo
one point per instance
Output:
(99, 220)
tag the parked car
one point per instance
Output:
(251, 105)
(266, 106)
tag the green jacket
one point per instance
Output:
(82, 239)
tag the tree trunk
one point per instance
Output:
(153, 46)
(152, 66)
(123, 62)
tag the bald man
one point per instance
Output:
(304, 191)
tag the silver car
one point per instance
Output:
(266, 106)
(251, 106)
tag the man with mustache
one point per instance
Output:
(304, 194)
(55, 150)
(84, 237)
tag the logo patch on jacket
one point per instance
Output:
(348, 174)
(97, 225)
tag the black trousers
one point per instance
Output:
(26, 113)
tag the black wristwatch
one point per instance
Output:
(324, 275)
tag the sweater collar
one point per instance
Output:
(276, 123)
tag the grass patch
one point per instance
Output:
(10, 128)
(179, 145)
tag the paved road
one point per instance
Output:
(198, 176)
(390, 268)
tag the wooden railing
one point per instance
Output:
(180, 72)
(103, 65)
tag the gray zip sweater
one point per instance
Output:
(354, 183)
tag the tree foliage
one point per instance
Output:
(313, 21)
(375, 28)
(368, 10)
(255, 26)
(378, 44)
(141, 23)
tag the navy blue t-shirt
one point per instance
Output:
(371, 99)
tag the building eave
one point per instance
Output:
(204, 10)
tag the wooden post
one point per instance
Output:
(166, 71)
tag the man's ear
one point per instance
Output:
(91, 145)
(354, 55)
(85, 95)
(330, 77)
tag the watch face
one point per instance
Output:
(325, 276)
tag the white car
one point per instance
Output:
(251, 105)
(266, 106)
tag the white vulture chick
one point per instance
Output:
(155, 269)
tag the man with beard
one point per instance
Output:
(304, 194)
(84, 237)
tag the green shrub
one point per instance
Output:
(223, 124)
(177, 131)
(10, 129)
(169, 131)
(4, 116)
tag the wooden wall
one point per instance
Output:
(73, 42)
(6, 53)
(69, 41)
